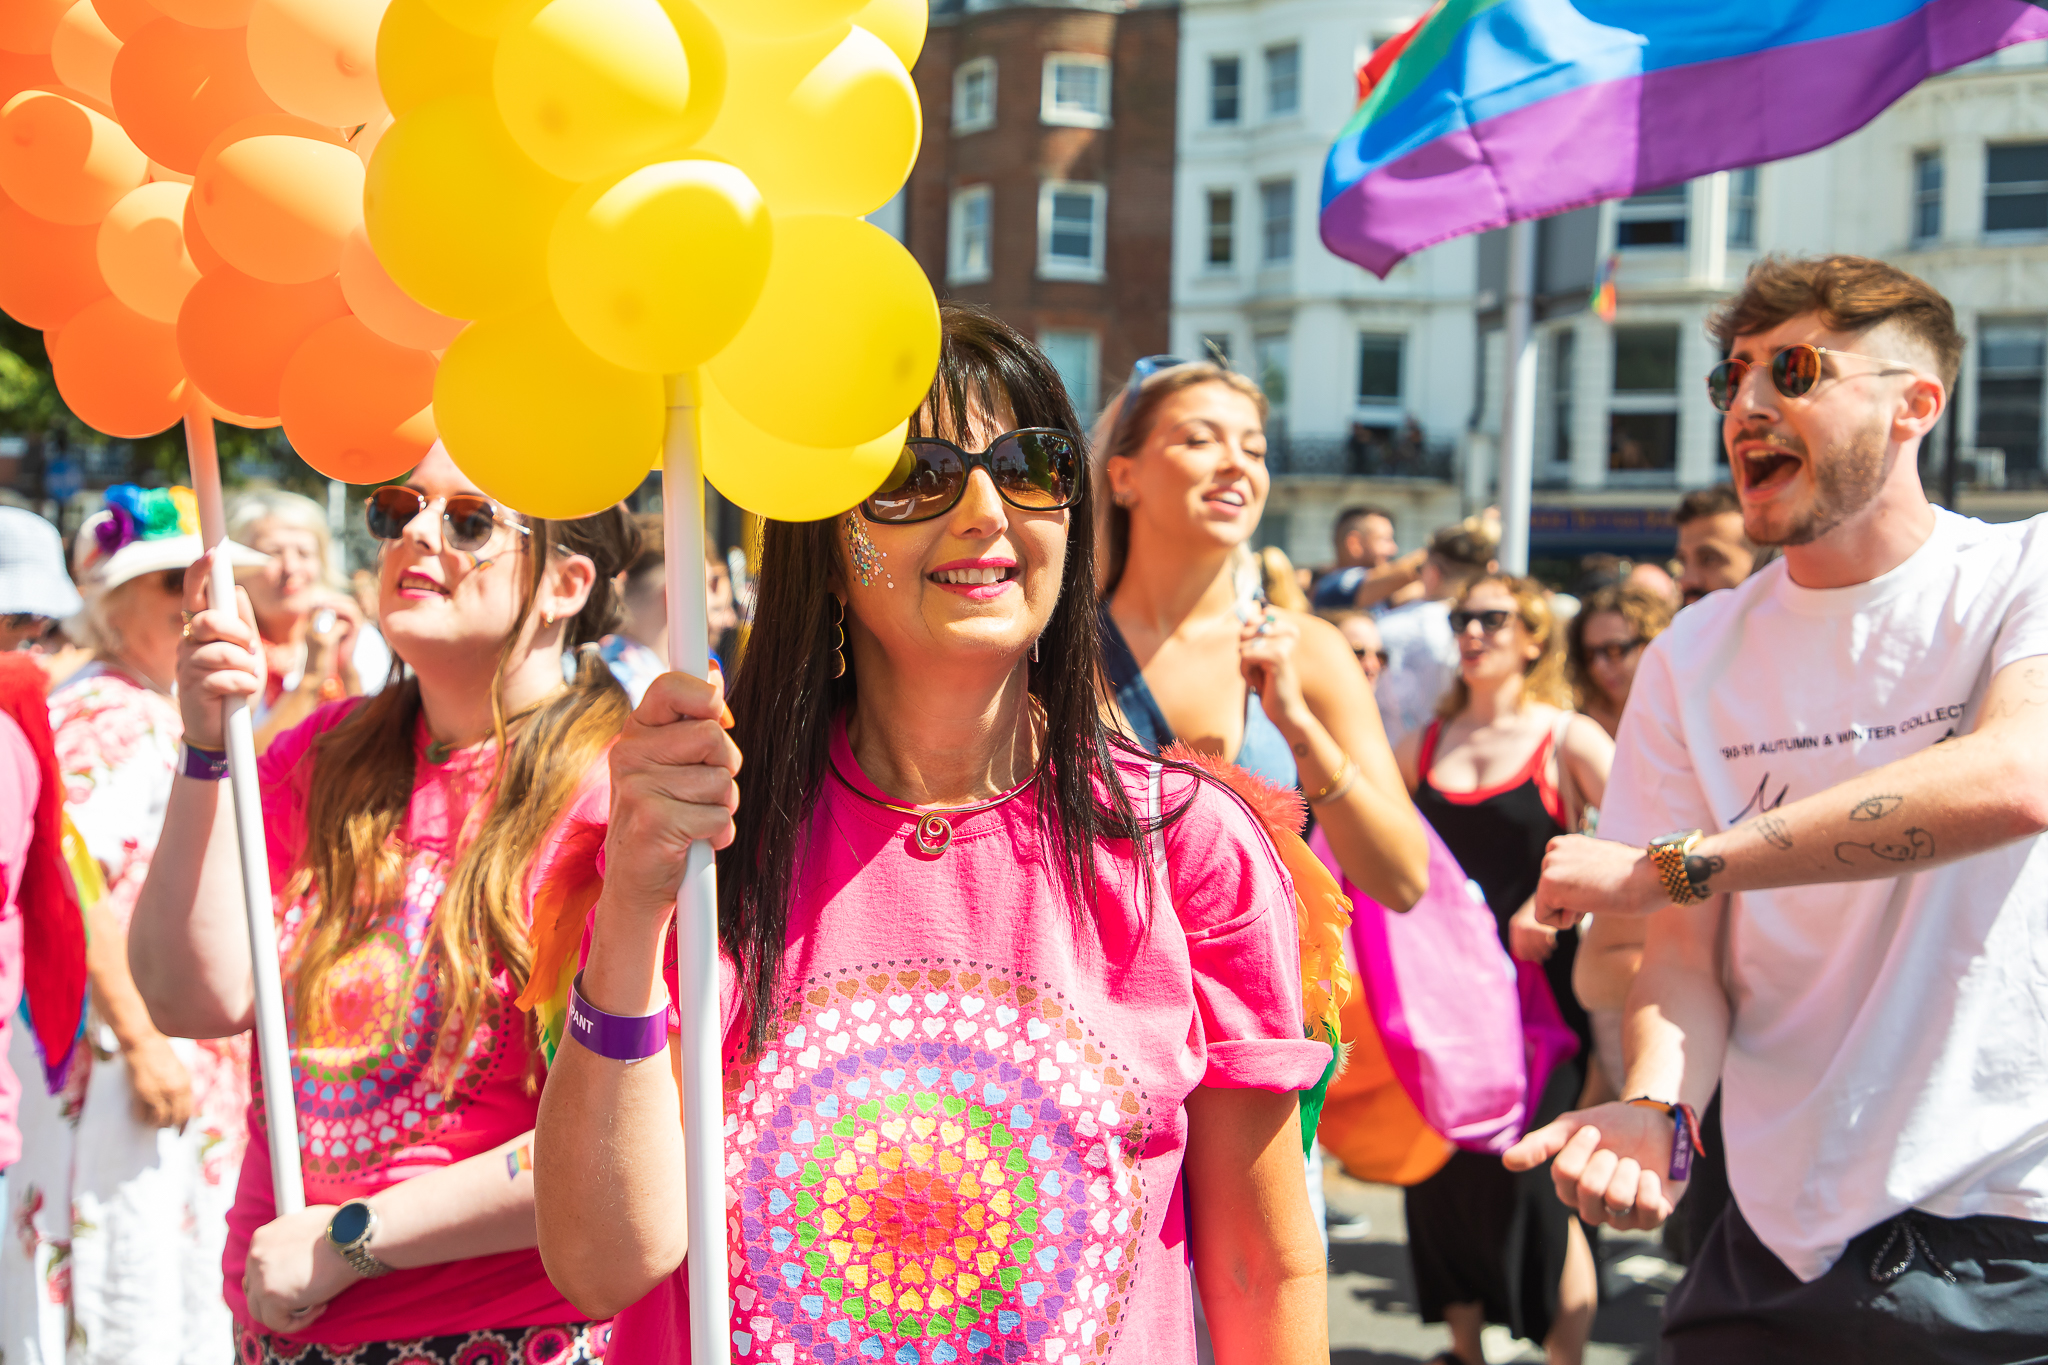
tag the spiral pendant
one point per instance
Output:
(934, 833)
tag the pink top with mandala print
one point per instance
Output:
(371, 1107)
(963, 1143)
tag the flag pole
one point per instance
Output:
(1518, 418)
(273, 1043)
(697, 1003)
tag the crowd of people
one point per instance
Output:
(1759, 832)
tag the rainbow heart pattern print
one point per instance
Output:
(932, 1162)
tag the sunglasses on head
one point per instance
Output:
(468, 519)
(1614, 653)
(1489, 621)
(1794, 370)
(1036, 469)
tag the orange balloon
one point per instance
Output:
(118, 371)
(178, 88)
(19, 73)
(277, 197)
(26, 26)
(82, 50)
(235, 335)
(126, 17)
(356, 407)
(203, 255)
(201, 404)
(215, 14)
(318, 58)
(157, 171)
(62, 161)
(383, 307)
(48, 271)
(142, 253)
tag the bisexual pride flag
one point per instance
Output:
(1494, 111)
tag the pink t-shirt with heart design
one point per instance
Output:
(964, 1139)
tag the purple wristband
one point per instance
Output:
(202, 765)
(621, 1037)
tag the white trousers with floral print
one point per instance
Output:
(114, 1230)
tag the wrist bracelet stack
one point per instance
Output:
(1339, 783)
(202, 764)
(1685, 1136)
(620, 1037)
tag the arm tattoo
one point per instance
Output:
(1773, 830)
(1701, 869)
(1915, 845)
(1875, 807)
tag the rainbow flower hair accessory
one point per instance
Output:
(136, 513)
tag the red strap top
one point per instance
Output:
(1537, 769)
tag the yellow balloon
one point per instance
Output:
(485, 18)
(778, 18)
(421, 57)
(837, 136)
(848, 292)
(779, 479)
(656, 270)
(459, 216)
(539, 422)
(899, 23)
(589, 87)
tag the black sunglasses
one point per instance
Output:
(1795, 370)
(1614, 653)
(469, 518)
(1364, 654)
(1489, 621)
(1036, 469)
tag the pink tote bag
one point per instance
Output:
(1471, 1034)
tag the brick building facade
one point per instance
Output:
(1044, 188)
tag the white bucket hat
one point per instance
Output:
(32, 577)
(144, 531)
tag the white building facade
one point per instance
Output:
(1389, 391)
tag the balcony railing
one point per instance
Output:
(1360, 456)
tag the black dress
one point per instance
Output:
(1476, 1232)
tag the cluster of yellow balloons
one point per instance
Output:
(181, 213)
(615, 191)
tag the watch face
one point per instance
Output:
(350, 1222)
(1670, 840)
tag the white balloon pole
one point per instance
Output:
(273, 1043)
(689, 651)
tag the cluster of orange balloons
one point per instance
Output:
(181, 214)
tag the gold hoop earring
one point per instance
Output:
(839, 641)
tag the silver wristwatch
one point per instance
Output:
(349, 1233)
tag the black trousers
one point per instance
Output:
(1913, 1289)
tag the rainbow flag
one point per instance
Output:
(1605, 301)
(1494, 111)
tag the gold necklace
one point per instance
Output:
(934, 832)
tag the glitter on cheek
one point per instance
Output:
(867, 559)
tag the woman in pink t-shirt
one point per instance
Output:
(1004, 1052)
(402, 830)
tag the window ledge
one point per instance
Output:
(1068, 118)
(971, 277)
(977, 126)
(1082, 274)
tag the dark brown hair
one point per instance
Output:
(1850, 294)
(361, 789)
(1646, 612)
(785, 697)
(1700, 503)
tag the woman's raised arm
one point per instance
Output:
(608, 1149)
(188, 944)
